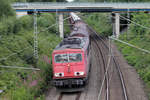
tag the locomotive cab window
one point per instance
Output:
(61, 58)
(75, 57)
(64, 58)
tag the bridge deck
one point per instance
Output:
(82, 7)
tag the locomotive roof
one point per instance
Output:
(72, 43)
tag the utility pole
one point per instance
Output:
(117, 24)
(57, 22)
(61, 25)
(128, 15)
(35, 36)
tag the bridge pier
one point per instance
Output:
(117, 25)
(61, 25)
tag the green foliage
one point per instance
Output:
(8, 84)
(26, 22)
(16, 35)
(11, 25)
(100, 22)
(5, 9)
(21, 93)
(46, 21)
(140, 37)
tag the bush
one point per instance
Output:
(101, 23)
(16, 35)
(5, 9)
(140, 37)
(21, 93)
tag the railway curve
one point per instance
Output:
(114, 87)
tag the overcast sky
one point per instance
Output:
(70, 0)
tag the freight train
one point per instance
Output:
(71, 58)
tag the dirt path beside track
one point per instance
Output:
(134, 85)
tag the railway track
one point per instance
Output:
(106, 81)
(74, 96)
(104, 49)
(114, 87)
(104, 92)
(103, 62)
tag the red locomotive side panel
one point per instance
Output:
(69, 63)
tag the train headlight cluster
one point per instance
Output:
(59, 74)
(78, 73)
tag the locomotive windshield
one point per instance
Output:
(75, 57)
(61, 58)
(72, 57)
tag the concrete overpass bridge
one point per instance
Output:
(82, 7)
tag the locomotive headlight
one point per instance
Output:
(81, 73)
(78, 73)
(59, 74)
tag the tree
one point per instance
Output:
(5, 8)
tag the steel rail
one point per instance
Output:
(97, 48)
(119, 72)
(122, 80)
(106, 67)
(121, 77)
(117, 66)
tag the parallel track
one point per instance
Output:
(103, 48)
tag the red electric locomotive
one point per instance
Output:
(71, 58)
